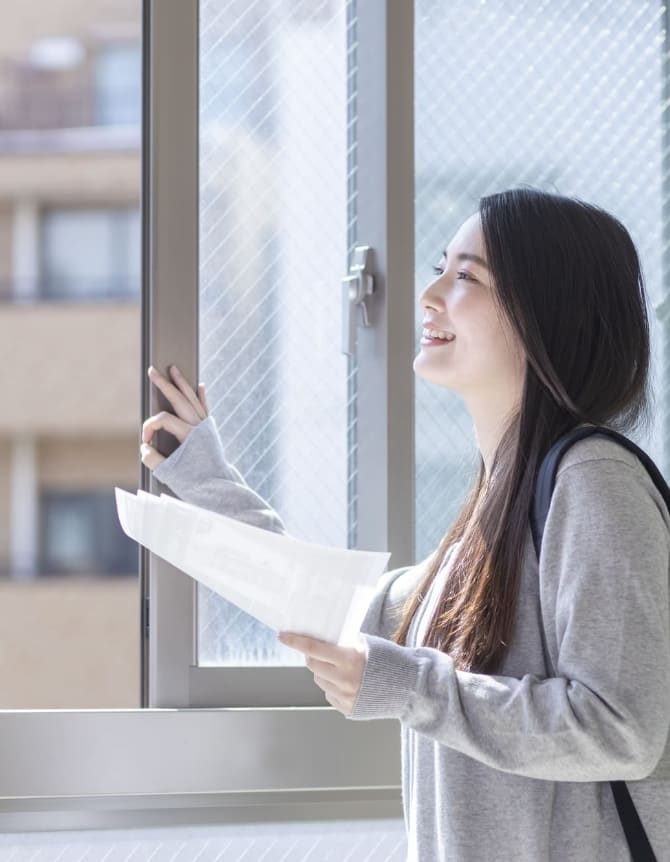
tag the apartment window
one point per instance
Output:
(91, 253)
(81, 535)
(117, 85)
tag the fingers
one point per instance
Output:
(181, 397)
(327, 671)
(321, 649)
(150, 457)
(184, 386)
(169, 422)
(203, 399)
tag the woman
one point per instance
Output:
(501, 760)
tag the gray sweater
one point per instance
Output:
(514, 767)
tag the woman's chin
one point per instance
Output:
(428, 372)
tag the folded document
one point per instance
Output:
(286, 583)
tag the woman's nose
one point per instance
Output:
(429, 298)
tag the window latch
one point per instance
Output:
(356, 288)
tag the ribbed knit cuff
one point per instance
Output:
(389, 680)
(195, 460)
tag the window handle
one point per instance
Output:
(356, 288)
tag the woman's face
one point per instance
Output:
(485, 359)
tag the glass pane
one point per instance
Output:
(118, 101)
(91, 252)
(81, 535)
(560, 96)
(77, 252)
(68, 537)
(276, 226)
(293, 841)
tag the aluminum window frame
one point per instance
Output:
(164, 762)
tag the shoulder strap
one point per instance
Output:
(638, 843)
(546, 478)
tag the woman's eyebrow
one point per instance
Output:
(473, 257)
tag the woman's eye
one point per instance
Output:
(439, 271)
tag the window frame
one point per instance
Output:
(91, 768)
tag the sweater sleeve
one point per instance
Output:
(198, 472)
(385, 609)
(605, 715)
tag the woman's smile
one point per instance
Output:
(435, 342)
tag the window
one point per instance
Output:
(81, 534)
(90, 253)
(117, 85)
(509, 93)
(263, 176)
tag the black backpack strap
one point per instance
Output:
(546, 478)
(638, 843)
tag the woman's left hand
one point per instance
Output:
(338, 670)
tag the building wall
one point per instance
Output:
(71, 375)
(72, 463)
(5, 455)
(109, 178)
(76, 369)
(69, 643)
(6, 211)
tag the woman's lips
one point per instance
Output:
(435, 342)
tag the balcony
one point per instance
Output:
(94, 105)
(89, 290)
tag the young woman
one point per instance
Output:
(501, 759)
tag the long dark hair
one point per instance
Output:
(567, 276)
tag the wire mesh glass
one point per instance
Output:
(276, 227)
(567, 97)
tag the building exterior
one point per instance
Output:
(70, 110)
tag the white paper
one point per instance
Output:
(286, 583)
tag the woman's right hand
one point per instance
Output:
(191, 409)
